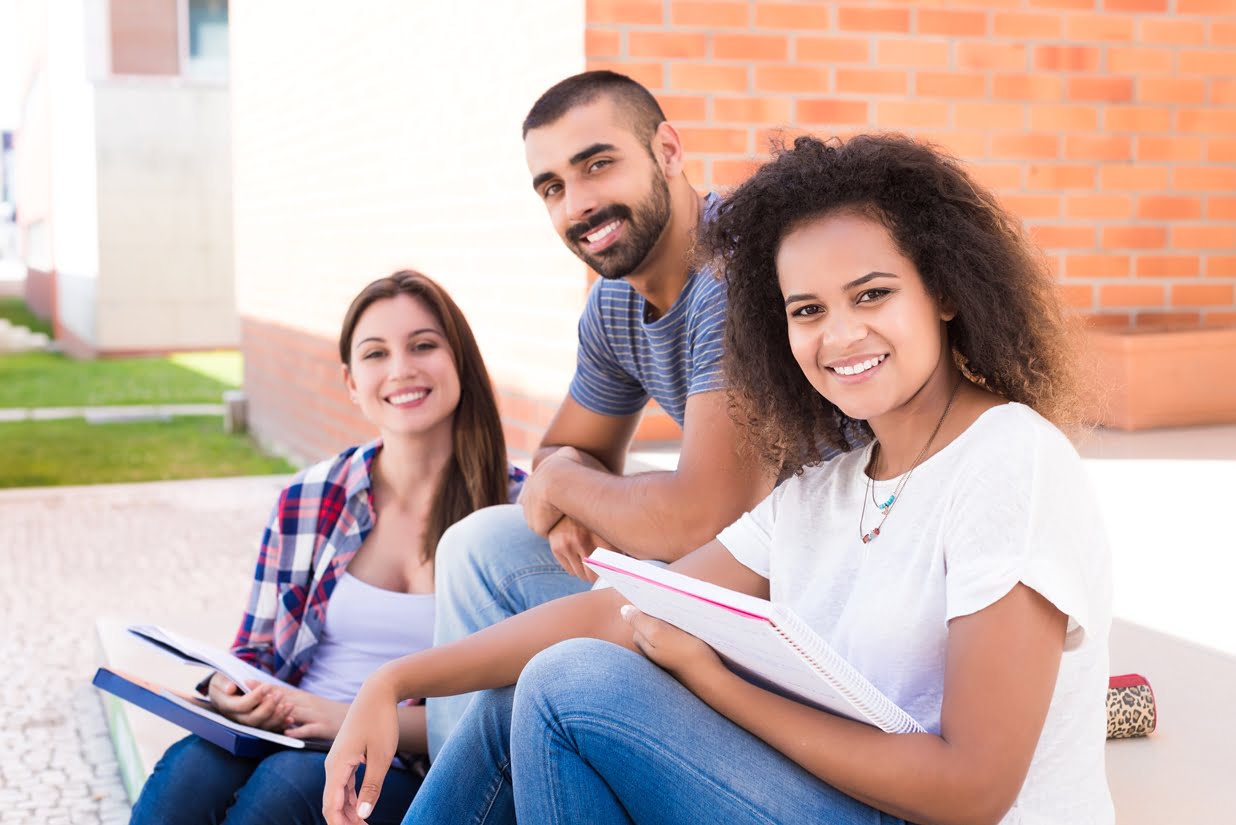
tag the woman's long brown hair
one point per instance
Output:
(476, 476)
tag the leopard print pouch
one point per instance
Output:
(1130, 707)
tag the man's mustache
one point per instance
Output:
(602, 217)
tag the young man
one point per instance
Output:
(609, 169)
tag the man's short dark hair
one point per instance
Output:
(636, 103)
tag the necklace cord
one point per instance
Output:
(887, 507)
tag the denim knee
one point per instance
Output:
(289, 782)
(469, 542)
(583, 668)
(194, 782)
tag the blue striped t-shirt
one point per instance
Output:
(624, 360)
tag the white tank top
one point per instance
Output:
(365, 628)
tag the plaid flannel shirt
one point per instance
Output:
(319, 522)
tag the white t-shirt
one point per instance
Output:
(1008, 501)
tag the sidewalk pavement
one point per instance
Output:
(161, 550)
(71, 554)
(109, 414)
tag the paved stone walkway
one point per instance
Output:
(97, 415)
(69, 555)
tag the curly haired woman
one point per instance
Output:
(879, 302)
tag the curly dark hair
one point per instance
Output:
(1011, 333)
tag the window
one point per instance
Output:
(203, 39)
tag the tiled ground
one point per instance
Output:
(70, 555)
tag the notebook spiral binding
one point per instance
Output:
(841, 675)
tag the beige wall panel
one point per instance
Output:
(166, 277)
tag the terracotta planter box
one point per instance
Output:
(1164, 378)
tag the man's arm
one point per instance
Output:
(604, 437)
(657, 515)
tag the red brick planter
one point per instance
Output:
(1165, 378)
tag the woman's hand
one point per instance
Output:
(369, 736)
(259, 708)
(684, 656)
(311, 717)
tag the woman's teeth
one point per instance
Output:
(863, 366)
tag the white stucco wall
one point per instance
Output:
(389, 137)
(74, 229)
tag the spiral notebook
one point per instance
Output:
(763, 642)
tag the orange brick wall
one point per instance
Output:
(287, 368)
(1108, 125)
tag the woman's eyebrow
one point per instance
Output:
(868, 277)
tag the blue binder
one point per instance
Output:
(210, 729)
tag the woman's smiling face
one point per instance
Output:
(862, 326)
(402, 372)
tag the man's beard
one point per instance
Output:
(642, 228)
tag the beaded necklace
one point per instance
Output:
(887, 507)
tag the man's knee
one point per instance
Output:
(467, 543)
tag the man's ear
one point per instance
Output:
(667, 149)
(349, 384)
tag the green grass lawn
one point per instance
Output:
(48, 453)
(40, 379)
(15, 310)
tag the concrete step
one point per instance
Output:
(1182, 771)
(21, 339)
(138, 736)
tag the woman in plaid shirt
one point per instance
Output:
(357, 533)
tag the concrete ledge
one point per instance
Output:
(1182, 771)
(139, 738)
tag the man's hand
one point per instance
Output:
(540, 514)
(537, 493)
(259, 708)
(571, 543)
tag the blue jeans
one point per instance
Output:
(488, 567)
(599, 734)
(196, 783)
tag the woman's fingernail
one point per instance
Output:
(364, 810)
(626, 610)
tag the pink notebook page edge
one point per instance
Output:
(665, 586)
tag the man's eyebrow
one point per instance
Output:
(541, 178)
(594, 149)
(575, 159)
